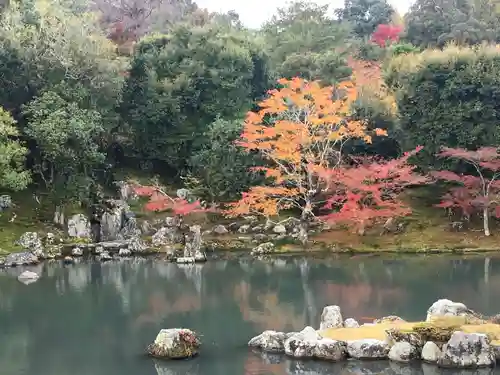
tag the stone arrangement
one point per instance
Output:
(446, 339)
(174, 343)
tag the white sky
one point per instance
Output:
(254, 12)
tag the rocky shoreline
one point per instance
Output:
(452, 336)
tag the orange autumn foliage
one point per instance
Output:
(300, 130)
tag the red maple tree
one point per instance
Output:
(369, 191)
(386, 34)
(473, 193)
(159, 200)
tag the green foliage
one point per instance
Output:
(365, 15)
(403, 49)
(67, 139)
(181, 82)
(370, 52)
(220, 170)
(448, 98)
(12, 155)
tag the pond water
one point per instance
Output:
(96, 319)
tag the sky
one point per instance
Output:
(254, 12)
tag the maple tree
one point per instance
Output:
(473, 192)
(300, 130)
(159, 200)
(386, 34)
(369, 191)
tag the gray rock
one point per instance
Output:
(496, 350)
(77, 252)
(351, 323)
(244, 229)
(172, 221)
(403, 352)
(124, 252)
(220, 229)
(264, 248)
(303, 343)
(331, 350)
(68, 260)
(137, 245)
(175, 343)
(445, 307)
(183, 193)
(431, 352)
(50, 238)
(28, 277)
(166, 236)
(368, 349)
(126, 191)
(331, 317)
(279, 229)
(269, 341)
(79, 226)
(193, 244)
(5, 202)
(467, 350)
(98, 250)
(113, 220)
(105, 256)
(31, 242)
(21, 259)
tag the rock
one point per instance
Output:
(98, 250)
(167, 236)
(269, 341)
(496, 350)
(368, 349)
(331, 350)
(175, 343)
(389, 319)
(25, 258)
(126, 190)
(403, 352)
(31, 242)
(264, 248)
(302, 344)
(28, 277)
(193, 244)
(137, 245)
(124, 252)
(79, 226)
(467, 350)
(413, 338)
(220, 229)
(183, 193)
(68, 260)
(185, 260)
(331, 318)
(279, 229)
(104, 257)
(113, 220)
(77, 252)
(50, 238)
(5, 202)
(431, 352)
(244, 229)
(172, 221)
(351, 323)
(59, 218)
(445, 307)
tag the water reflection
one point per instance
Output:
(93, 318)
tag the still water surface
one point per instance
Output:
(96, 319)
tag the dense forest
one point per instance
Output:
(162, 87)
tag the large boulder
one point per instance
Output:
(445, 307)
(308, 343)
(32, 242)
(175, 343)
(331, 318)
(270, 341)
(431, 352)
(351, 323)
(28, 277)
(79, 226)
(403, 352)
(167, 236)
(368, 349)
(467, 350)
(25, 258)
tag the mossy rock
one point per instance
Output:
(174, 344)
(405, 335)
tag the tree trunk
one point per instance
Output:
(304, 223)
(486, 222)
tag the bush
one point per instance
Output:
(448, 98)
(371, 52)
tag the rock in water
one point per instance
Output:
(431, 352)
(368, 349)
(263, 248)
(175, 343)
(331, 318)
(32, 242)
(403, 352)
(28, 277)
(445, 307)
(302, 343)
(192, 248)
(79, 226)
(21, 259)
(77, 252)
(270, 341)
(467, 350)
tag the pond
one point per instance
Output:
(97, 318)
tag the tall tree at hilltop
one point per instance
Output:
(365, 15)
(300, 131)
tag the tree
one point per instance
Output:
(13, 176)
(479, 192)
(181, 82)
(369, 191)
(386, 34)
(299, 130)
(365, 15)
